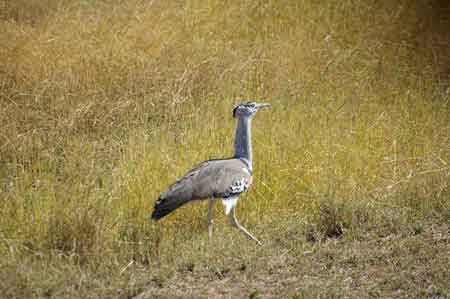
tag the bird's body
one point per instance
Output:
(213, 179)
(223, 179)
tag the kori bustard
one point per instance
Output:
(222, 179)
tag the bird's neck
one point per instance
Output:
(243, 140)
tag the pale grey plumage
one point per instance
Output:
(210, 179)
(222, 179)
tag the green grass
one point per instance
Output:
(105, 103)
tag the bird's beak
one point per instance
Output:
(262, 105)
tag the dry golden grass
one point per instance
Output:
(105, 103)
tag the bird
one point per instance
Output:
(219, 179)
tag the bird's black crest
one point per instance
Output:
(241, 104)
(234, 111)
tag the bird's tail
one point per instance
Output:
(164, 206)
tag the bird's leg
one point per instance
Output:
(235, 223)
(210, 220)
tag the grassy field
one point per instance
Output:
(104, 103)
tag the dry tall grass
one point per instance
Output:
(103, 104)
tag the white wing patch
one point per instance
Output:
(239, 186)
(229, 203)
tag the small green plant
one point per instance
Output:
(255, 294)
(298, 295)
(418, 228)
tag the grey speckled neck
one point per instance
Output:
(242, 141)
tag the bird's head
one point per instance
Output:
(248, 109)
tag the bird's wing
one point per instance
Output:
(214, 178)
(222, 179)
